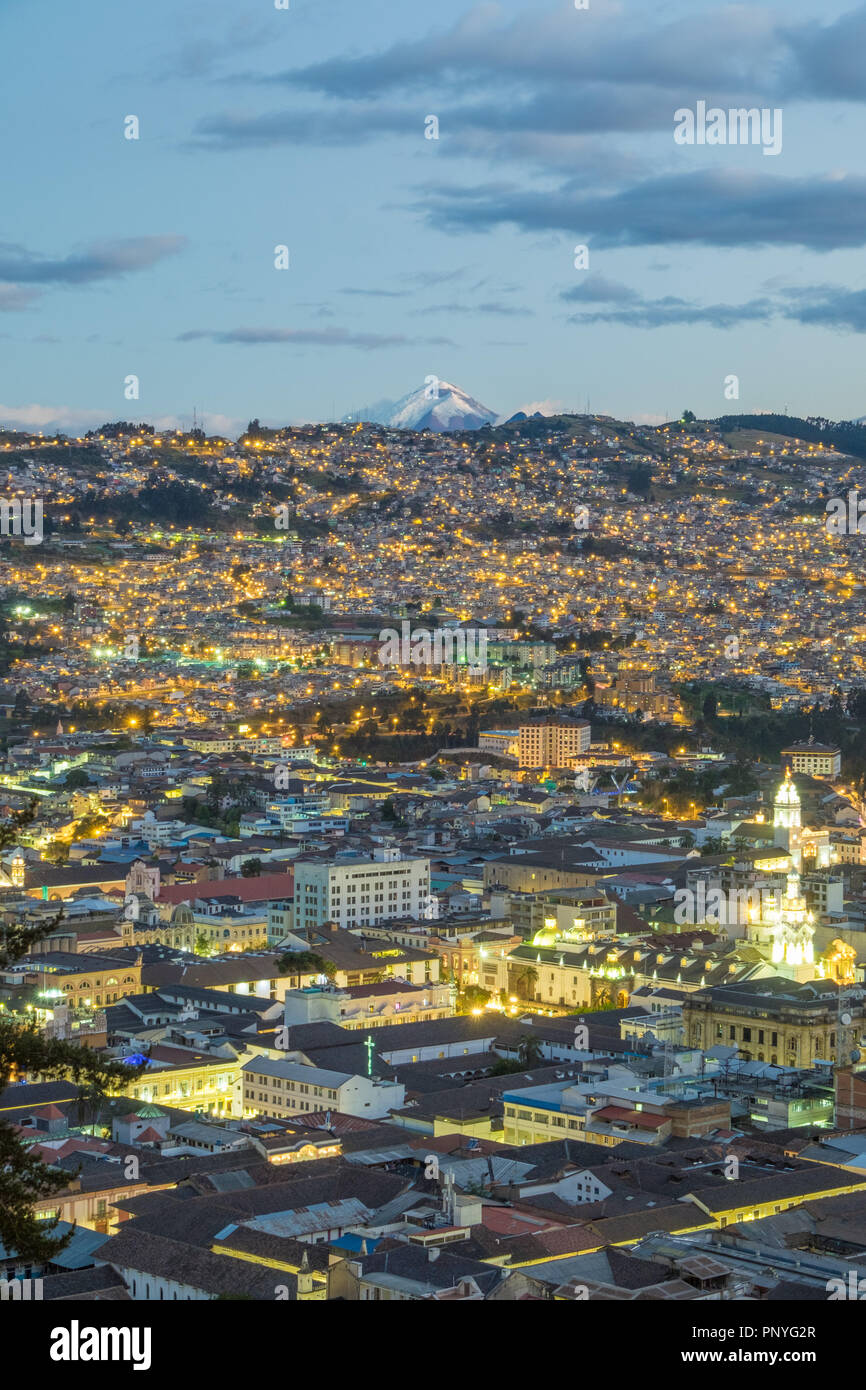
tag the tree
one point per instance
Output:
(474, 997)
(526, 982)
(506, 1066)
(202, 945)
(24, 1178)
(529, 1051)
(251, 868)
(76, 777)
(306, 963)
(688, 417)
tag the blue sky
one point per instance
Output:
(454, 257)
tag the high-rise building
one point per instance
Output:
(550, 742)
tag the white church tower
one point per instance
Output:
(787, 820)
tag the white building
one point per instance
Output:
(282, 1088)
(814, 759)
(361, 893)
(505, 741)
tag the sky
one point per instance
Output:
(306, 128)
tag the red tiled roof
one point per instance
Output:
(249, 890)
(149, 1136)
(506, 1222)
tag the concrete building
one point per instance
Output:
(282, 1088)
(361, 892)
(815, 759)
(551, 742)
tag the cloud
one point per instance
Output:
(819, 306)
(348, 126)
(101, 260)
(827, 60)
(705, 207)
(729, 46)
(828, 306)
(50, 418)
(16, 297)
(548, 88)
(600, 289)
(670, 311)
(491, 307)
(546, 407)
(377, 294)
(311, 337)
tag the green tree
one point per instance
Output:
(473, 997)
(529, 1051)
(506, 1066)
(251, 868)
(306, 963)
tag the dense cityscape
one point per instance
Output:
(432, 670)
(477, 957)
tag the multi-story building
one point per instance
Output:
(549, 742)
(505, 741)
(814, 759)
(607, 1113)
(777, 1020)
(579, 914)
(281, 1088)
(81, 982)
(209, 931)
(361, 893)
(184, 1079)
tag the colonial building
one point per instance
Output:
(777, 1020)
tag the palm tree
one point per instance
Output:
(529, 1051)
(526, 982)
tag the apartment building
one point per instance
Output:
(553, 742)
(362, 892)
(607, 1113)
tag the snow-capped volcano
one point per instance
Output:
(437, 405)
